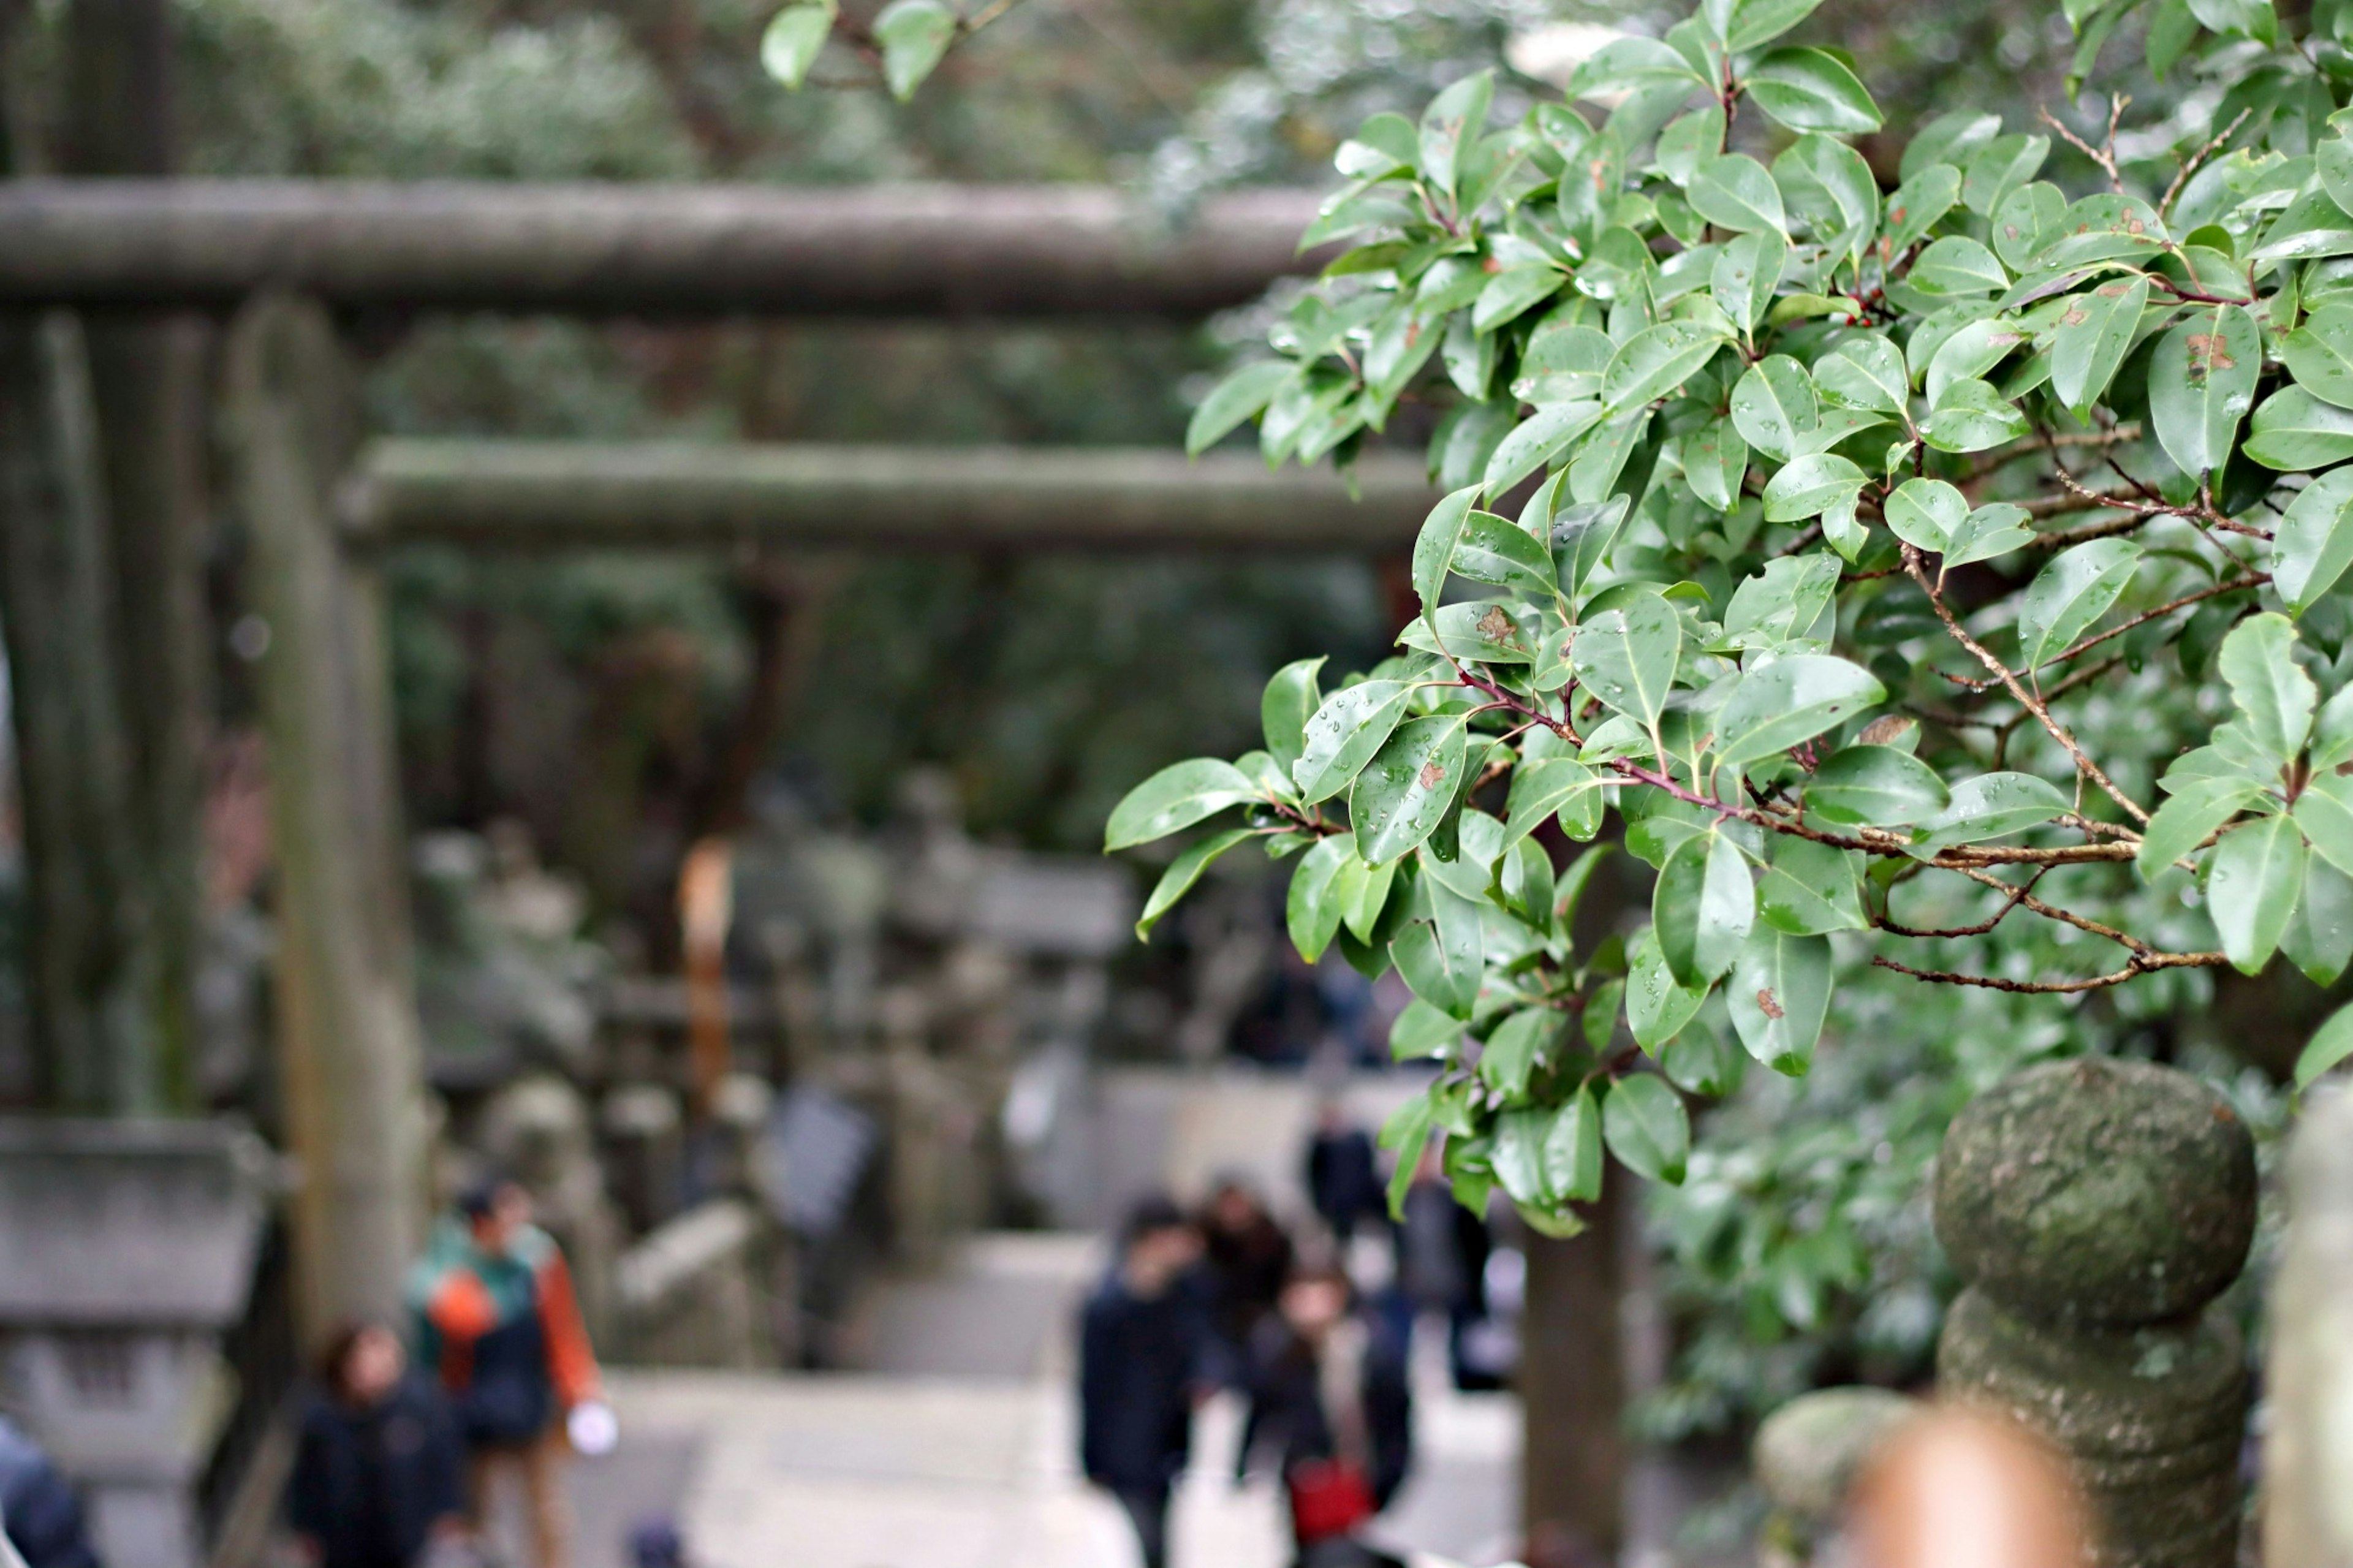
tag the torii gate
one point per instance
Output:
(321, 502)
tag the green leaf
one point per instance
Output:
(1439, 952)
(1177, 797)
(1344, 731)
(1364, 892)
(1701, 907)
(1450, 127)
(2313, 543)
(1512, 292)
(790, 46)
(1536, 440)
(1572, 1150)
(1691, 138)
(1958, 265)
(1811, 486)
(2330, 1044)
(2072, 591)
(1628, 657)
(2295, 430)
(2238, 19)
(1779, 993)
(1702, 1061)
(2201, 381)
(1774, 406)
(2319, 355)
(1631, 64)
(1926, 513)
(1991, 805)
(2092, 339)
(1284, 708)
(1645, 1125)
(1969, 352)
(1183, 872)
(1784, 602)
(2027, 219)
(1422, 1032)
(1811, 90)
(2319, 939)
(1830, 183)
(2187, 817)
(1971, 418)
(1541, 788)
(1655, 361)
(1875, 786)
(914, 36)
(2102, 228)
(1407, 1133)
(1864, 371)
(1715, 461)
(1496, 550)
(1953, 138)
(1242, 395)
(1918, 203)
(2269, 686)
(1746, 273)
(2007, 163)
(1812, 889)
(1736, 192)
(1398, 799)
(1434, 547)
(1993, 529)
(1486, 632)
(1755, 23)
(2256, 878)
(1512, 1051)
(2325, 814)
(1657, 1006)
(1310, 911)
(1789, 702)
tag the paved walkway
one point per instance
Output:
(961, 1455)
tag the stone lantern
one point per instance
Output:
(131, 1245)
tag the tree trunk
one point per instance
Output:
(146, 372)
(349, 1040)
(1572, 1388)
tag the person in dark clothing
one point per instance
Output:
(1141, 1351)
(1331, 1402)
(379, 1467)
(38, 1509)
(1247, 1257)
(1342, 1177)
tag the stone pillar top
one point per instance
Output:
(2098, 1193)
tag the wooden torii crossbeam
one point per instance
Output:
(642, 249)
(536, 496)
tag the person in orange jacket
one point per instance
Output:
(497, 1318)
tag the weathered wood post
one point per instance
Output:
(87, 918)
(350, 1054)
(2096, 1208)
(2308, 1440)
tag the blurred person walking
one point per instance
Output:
(41, 1519)
(1343, 1178)
(498, 1320)
(1247, 1256)
(379, 1467)
(1142, 1350)
(1330, 1400)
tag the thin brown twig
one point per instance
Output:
(2106, 160)
(1985, 656)
(2190, 164)
(2139, 964)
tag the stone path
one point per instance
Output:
(961, 1455)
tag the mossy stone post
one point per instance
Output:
(2096, 1208)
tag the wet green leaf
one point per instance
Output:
(1177, 797)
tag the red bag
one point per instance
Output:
(1329, 1498)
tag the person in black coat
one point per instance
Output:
(379, 1464)
(1344, 1177)
(1246, 1256)
(1141, 1346)
(38, 1509)
(1331, 1401)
